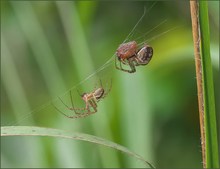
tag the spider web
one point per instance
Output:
(103, 67)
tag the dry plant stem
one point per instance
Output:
(196, 38)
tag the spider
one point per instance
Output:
(91, 99)
(129, 54)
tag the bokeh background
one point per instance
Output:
(50, 47)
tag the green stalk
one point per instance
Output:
(212, 159)
(208, 127)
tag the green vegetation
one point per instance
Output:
(212, 159)
(50, 47)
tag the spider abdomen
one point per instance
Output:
(144, 55)
(98, 93)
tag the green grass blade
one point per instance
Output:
(14, 93)
(212, 159)
(40, 46)
(39, 131)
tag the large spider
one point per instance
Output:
(91, 99)
(129, 54)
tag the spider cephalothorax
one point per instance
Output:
(130, 54)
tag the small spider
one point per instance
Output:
(91, 99)
(129, 54)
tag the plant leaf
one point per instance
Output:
(211, 138)
(50, 132)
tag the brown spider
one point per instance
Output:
(91, 99)
(129, 54)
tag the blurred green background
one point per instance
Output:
(48, 47)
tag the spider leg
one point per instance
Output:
(120, 61)
(62, 112)
(76, 116)
(64, 104)
(116, 66)
(70, 108)
(136, 62)
(89, 104)
(80, 112)
(132, 66)
(71, 98)
(124, 62)
(120, 68)
(86, 112)
(73, 107)
(92, 103)
(81, 109)
(83, 115)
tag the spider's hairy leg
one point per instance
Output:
(93, 104)
(79, 115)
(70, 108)
(136, 62)
(64, 104)
(119, 67)
(71, 98)
(62, 112)
(116, 66)
(85, 100)
(84, 115)
(87, 104)
(132, 66)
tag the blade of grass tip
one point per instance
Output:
(212, 159)
(40, 131)
(200, 26)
